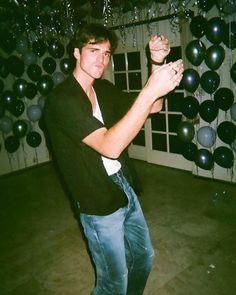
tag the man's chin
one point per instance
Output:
(98, 76)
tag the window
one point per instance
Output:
(128, 77)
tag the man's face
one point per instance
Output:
(94, 58)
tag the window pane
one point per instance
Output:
(120, 81)
(159, 142)
(176, 145)
(158, 122)
(140, 138)
(174, 101)
(119, 62)
(135, 81)
(174, 121)
(134, 60)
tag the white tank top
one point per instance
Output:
(111, 166)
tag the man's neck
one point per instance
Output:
(87, 85)
(85, 81)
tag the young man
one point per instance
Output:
(90, 124)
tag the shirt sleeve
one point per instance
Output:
(87, 126)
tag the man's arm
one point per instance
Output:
(112, 142)
(159, 48)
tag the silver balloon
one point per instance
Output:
(22, 44)
(6, 124)
(58, 78)
(29, 58)
(34, 113)
(206, 136)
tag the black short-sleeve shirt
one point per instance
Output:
(68, 119)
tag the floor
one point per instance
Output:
(192, 223)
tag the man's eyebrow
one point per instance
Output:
(95, 48)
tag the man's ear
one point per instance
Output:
(76, 53)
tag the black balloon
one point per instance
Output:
(190, 107)
(198, 26)
(15, 65)
(215, 30)
(190, 80)
(233, 72)
(49, 65)
(224, 157)
(17, 108)
(55, 48)
(19, 128)
(224, 98)
(205, 5)
(215, 55)
(227, 132)
(8, 42)
(204, 159)
(210, 81)
(45, 84)
(97, 8)
(33, 139)
(189, 151)
(7, 98)
(185, 131)
(195, 52)
(208, 110)
(31, 90)
(70, 49)
(66, 65)
(19, 87)
(4, 72)
(229, 37)
(34, 72)
(39, 47)
(11, 144)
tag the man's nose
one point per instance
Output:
(101, 58)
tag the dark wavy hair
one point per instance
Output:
(96, 32)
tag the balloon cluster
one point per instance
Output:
(216, 31)
(222, 99)
(47, 18)
(27, 75)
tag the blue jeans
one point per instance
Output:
(120, 246)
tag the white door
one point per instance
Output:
(157, 142)
(130, 74)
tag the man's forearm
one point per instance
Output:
(111, 142)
